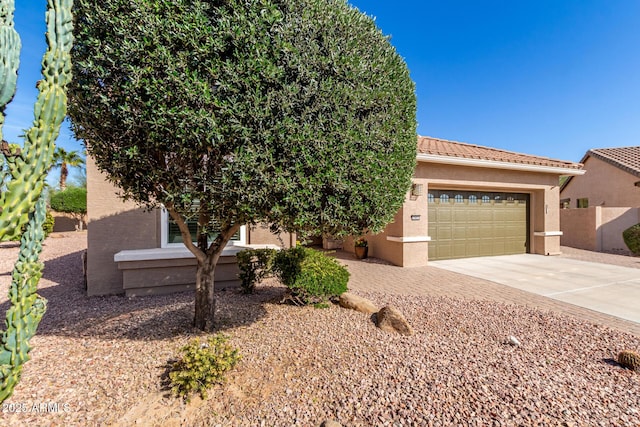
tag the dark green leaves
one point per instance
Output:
(294, 112)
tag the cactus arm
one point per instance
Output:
(22, 202)
(9, 56)
(27, 307)
(30, 167)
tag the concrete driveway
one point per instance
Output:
(605, 288)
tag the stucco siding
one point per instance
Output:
(112, 225)
(597, 228)
(412, 220)
(604, 185)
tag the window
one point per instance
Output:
(171, 237)
(565, 203)
(473, 199)
(583, 202)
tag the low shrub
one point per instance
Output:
(631, 238)
(255, 265)
(48, 224)
(201, 366)
(311, 276)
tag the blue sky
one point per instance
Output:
(551, 78)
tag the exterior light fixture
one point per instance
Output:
(417, 189)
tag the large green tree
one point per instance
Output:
(297, 113)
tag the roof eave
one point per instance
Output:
(494, 164)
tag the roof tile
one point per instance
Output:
(442, 147)
(625, 158)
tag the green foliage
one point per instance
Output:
(255, 265)
(297, 113)
(361, 243)
(202, 365)
(22, 179)
(294, 113)
(631, 238)
(629, 359)
(71, 200)
(48, 224)
(311, 275)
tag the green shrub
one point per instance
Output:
(202, 365)
(48, 224)
(311, 275)
(631, 238)
(255, 265)
(71, 200)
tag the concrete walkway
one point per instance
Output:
(605, 288)
(377, 276)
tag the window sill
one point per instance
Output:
(153, 254)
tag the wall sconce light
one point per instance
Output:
(417, 189)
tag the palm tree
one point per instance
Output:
(63, 160)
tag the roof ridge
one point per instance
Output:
(448, 148)
(618, 157)
(491, 148)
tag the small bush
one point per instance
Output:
(255, 265)
(311, 275)
(629, 359)
(71, 200)
(631, 238)
(48, 224)
(201, 366)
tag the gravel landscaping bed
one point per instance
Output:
(101, 360)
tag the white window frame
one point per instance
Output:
(164, 233)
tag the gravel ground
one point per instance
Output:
(100, 360)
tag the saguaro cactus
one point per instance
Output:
(21, 200)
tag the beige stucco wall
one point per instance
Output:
(597, 228)
(543, 205)
(261, 235)
(604, 185)
(112, 226)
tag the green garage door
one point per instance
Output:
(470, 223)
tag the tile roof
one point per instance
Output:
(625, 158)
(442, 147)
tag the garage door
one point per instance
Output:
(470, 223)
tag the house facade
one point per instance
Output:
(469, 200)
(599, 206)
(466, 200)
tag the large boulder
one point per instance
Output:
(389, 319)
(354, 302)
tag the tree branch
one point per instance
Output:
(184, 232)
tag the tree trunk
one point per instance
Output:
(63, 176)
(205, 297)
(207, 260)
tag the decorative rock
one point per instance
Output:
(330, 423)
(354, 302)
(391, 320)
(513, 341)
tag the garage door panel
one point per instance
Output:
(466, 224)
